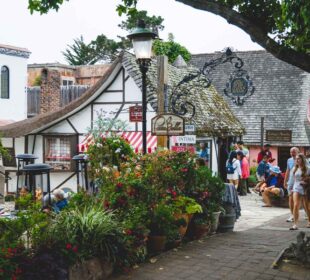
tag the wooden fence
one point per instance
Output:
(67, 95)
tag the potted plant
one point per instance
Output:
(202, 225)
(184, 208)
(160, 224)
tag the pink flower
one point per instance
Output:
(184, 169)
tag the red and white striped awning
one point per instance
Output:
(134, 138)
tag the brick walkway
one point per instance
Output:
(247, 253)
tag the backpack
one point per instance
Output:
(230, 168)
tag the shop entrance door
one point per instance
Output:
(283, 155)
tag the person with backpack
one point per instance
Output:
(233, 169)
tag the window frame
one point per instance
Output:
(2, 90)
(73, 150)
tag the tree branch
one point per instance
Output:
(286, 54)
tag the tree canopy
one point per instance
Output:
(282, 27)
(103, 49)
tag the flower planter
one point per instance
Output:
(94, 269)
(156, 243)
(187, 218)
(173, 244)
(215, 221)
(201, 230)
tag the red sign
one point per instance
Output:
(180, 149)
(135, 113)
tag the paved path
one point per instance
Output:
(245, 254)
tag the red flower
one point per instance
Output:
(128, 231)
(106, 204)
(184, 169)
(174, 193)
(68, 246)
(75, 249)
(119, 185)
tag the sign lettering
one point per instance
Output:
(186, 139)
(279, 135)
(168, 124)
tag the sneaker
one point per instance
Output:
(290, 219)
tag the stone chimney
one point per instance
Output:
(50, 90)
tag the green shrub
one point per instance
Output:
(91, 229)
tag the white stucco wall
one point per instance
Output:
(15, 108)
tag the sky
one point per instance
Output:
(46, 36)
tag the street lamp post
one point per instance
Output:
(142, 39)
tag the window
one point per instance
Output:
(58, 152)
(67, 82)
(5, 82)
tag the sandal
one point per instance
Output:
(294, 227)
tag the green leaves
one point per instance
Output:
(43, 6)
(101, 49)
(171, 49)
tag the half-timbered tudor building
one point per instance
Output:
(54, 137)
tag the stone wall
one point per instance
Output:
(50, 90)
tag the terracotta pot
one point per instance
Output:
(201, 230)
(187, 218)
(173, 244)
(156, 243)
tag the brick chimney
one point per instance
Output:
(50, 90)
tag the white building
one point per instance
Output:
(54, 137)
(13, 83)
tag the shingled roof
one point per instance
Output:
(281, 95)
(213, 116)
(30, 125)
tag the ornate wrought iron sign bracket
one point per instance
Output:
(239, 86)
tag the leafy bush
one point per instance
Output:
(93, 230)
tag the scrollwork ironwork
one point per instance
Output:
(238, 88)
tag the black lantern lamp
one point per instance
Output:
(142, 40)
(22, 161)
(38, 176)
(81, 171)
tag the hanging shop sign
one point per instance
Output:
(135, 113)
(168, 125)
(279, 135)
(180, 149)
(190, 128)
(186, 139)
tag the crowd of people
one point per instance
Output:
(238, 168)
(294, 183)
